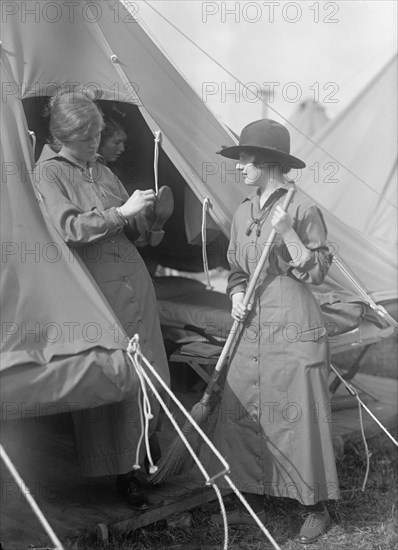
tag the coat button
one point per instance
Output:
(255, 359)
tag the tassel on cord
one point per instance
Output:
(156, 160)
(136, 465)
(32, 136)
(205, 207)
(137, 358)
(145, 412)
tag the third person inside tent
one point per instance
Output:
(148, 224)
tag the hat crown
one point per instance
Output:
(269, 141)
(267, 134)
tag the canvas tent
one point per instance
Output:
(51, 311)
(116, 57)
(46, 301)
(352, 173)
(367, 168)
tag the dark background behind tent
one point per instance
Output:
(135, 170)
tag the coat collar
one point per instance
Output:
(256, 193)
(48, 153)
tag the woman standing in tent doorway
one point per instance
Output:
(89, 208)
(148, 223)
(273, 425)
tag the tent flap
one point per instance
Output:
(94, 378)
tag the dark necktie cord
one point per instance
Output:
(259, 221)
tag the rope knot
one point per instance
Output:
(144, 404)
(158, 133)
(380, 310)
(133, 345)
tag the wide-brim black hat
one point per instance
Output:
(269, 138)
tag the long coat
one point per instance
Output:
(81, 205)
(274, 420)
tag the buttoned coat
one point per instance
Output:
(81, 205)
(274, 421)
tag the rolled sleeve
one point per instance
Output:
(237, 282)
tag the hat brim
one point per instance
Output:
(273, 155)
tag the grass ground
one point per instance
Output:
(362, 520)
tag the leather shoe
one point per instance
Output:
(237, 518)
(163, 208)
(315, 525)
(130, 488)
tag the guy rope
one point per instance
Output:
(138, 359)
(176, 459)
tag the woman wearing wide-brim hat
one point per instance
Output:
(274, 421)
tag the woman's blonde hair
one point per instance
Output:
(73, 115)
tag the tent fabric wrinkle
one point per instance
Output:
(355, 160)
(53, 315)
(59, 331)
(93, 379)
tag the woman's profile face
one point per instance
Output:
(85, 149)
(113, 146)
(250, 171)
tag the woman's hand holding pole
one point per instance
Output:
(246, 303)
(241, 302)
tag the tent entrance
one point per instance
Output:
(135, 170)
